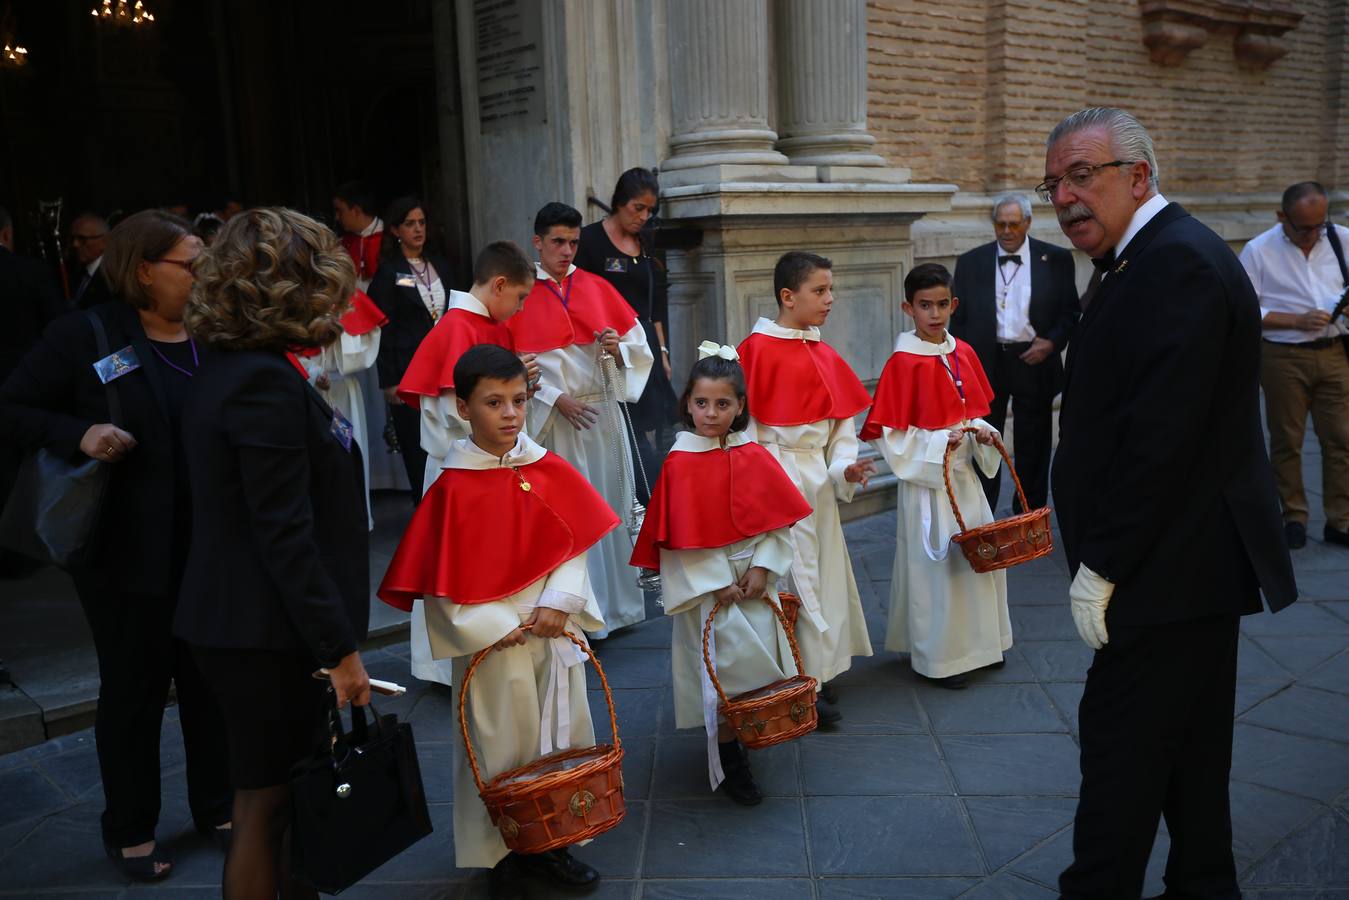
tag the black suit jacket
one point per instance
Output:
(29, 299)
(96, 292)
(1053, 300)
(280, 554)
(52, 399)
(409, 320)
(1161, 480)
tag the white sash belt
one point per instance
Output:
(557, 696)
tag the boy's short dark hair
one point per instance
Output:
(485, 361)
(928, 275)
(503, 258)
(793, 268)
(356, 193)
(717, 369)
(556, 214)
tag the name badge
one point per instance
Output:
(342, 429)
(115, 365)
(616, 264)
(406, 281)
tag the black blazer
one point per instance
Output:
(30, 298)
(98, 291)
(1053, 300)
(52, 399)
(280, 554)
(1161, 480)
(409, 321)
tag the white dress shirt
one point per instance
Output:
(1011, 290)
(1142, 216)
(1288, 281)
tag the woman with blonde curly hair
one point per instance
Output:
(277, 582)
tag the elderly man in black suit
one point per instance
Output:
(1018, 308)
(1166, 502)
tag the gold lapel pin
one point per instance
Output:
(1121, 266)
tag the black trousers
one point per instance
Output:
(1031, 390)
(137, 658)
(1156, 732)
(407, 424)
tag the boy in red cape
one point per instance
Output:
(498, 547)
(502, 277)
(580, 326)
(947, 617)
(717, 529)
(804, 397)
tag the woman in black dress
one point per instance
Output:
(614, 249)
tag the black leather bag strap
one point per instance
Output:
(1334, 238)
(101, 341)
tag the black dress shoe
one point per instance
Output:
(826, 714)
(560, 869)
(1336, 536)
(950, 682)
(739, 782)
(505, 881)
(1295, 533)
(829, 693)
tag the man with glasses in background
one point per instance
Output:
(1299, 272)
(88, 236)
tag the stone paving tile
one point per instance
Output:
(1012, 764)
(1253, 691)
(1261, 817)
(727, 889)
(1044, 864)
(890, 836)
(1254, 662)
(1009, 887)
(436, 761)
(1043, 623)
(64, 851)
(1015, 670)
(1332, 675)
(879, 709)
(1322, 586)
(1308, 767)
(1067, 695)
(681, 769)
(639, 712)
(616, 852)
(642, 667)
(1300, 654)
(1058, 660)
(639, 760)
(713, 837)
(1038, 590)
(860, 764)
(430, 859)
(1315, 856)
(1007, 827)
(992, 709)
(892, 888)
(1300, 618)
(26, 793)
(1305, 711)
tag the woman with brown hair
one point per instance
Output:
(277, 582)
(56, 399)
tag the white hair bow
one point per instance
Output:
(712, 348)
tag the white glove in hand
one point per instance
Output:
(1088, 597)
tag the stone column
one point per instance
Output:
(719, 85)
(822, 82)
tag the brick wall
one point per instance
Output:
(964, 91)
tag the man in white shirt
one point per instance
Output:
(1299, 275)
(88, 236)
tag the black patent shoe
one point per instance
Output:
(739, 782)
(142, 868)
(505, 881)
(560, 869)
(950, 682)
(1336, 536)
(829, 693)
(826, 714)
(1295, 534)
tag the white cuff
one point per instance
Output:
(562, 601)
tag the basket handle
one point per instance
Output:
(946, 474)
(473, 667)
(707, 636)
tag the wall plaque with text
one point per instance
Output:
(508, 36)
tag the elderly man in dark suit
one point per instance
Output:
(1168, 511)
(1018, 308)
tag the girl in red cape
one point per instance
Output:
(947, 617)
(718, 529)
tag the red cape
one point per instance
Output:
(364, 252)
(432, 368)
(477, 536)
(792, 382)
(364, 316)
(917, 391)
(715, 498)
(592, 305)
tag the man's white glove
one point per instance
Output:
(1088, 597)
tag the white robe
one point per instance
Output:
(575, 370)
(749, 647)
(514, 717)
(949, 618)
(343, 361)
(831, 629)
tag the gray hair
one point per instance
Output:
(1007, 199)
(1130, 139)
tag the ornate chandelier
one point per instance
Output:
(122, 13)
(13, 56)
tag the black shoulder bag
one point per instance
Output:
(1339, 309)
(53, 512)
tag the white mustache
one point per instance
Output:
(1074, 213)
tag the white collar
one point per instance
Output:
(1022, 252)
(375, 225)
(692, 442)
(767, 326)
(93, 266)
(464, 454)
(543, 275)
(1142, 216)
(467, 302)
(910, 342)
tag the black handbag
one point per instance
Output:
(358, 802)
(53, 511)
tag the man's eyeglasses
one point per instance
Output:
(1301, 230)
(1079, 177)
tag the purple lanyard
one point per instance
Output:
(172, 365)
(566, 301)
(955, 375)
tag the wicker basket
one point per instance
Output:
(775, 713)
(791, 608)
(559, 799)
(1006, 542)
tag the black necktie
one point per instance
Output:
(1100, 266)
(1004, 260)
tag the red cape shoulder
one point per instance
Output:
(432, 368)
(715, 498)
(479, 536)
(917, 391)
(546, 323)
(364, 316)
(799, 382)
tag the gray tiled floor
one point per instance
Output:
(920, 793)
